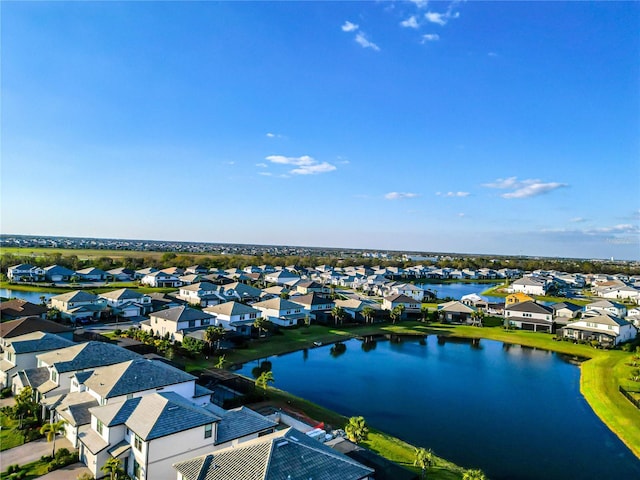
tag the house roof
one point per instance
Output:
(134, 376)
(91, 271)
(74, 408)
(602, 320)
(533, 281)
(34, 377)
(156, 415)
(400, 298)
(231, 308)
(58, 270)
(240, 422)
(20, 308)
(530, 307)
(276, 304)
(455, 307)
(38, 342)
(311, 299)
(282, 455)
(180, 314)
(196, 287)
(243, 290)
(122, 294)
(76, 296)
(20, 326)
(605, 304)
(22, 266)
(86, 355)
(568, 305)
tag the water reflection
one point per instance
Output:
(369, 343)
(337, 349)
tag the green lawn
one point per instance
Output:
(9, 436)
(107, 288)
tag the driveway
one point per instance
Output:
(67, 473)
(32, 451)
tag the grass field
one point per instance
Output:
(107, 288)
(84, 254)
(9, 436)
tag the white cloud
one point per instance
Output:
(430, 37)
(323, 167)
(400, 195)
(274, 135)
(303, 160)
(523, 188)
(411, 22)
(453, 194)
(461, 214)
(420, 3)
(439, 18)
(262, 165)
(306, 165)
(349, 27)
(578, 220)
(364, 42)
(265, 174)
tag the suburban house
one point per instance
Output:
(309, 286)
(234, 316)
(202, 294)
(58, 273)
(606, 307)
(162, 301)
(176, 321)
(530, 316)
(191, 278)
(354, 307)
(16, 308)
(78, 305)
(565, 311)
(456, 312)
(161, 279)
(143, 272)
(281, 277)
(197, 270)
(285, 454)
(313, 302)
(58, 367)
(121, 274)
(408, 289)
(20, 353)
(92, 274)
(241, 292)
(281, 312)
(152, 432)
(127, 303)
(25, 272)
(518, 297)
(605, 329)
(24, 325)
(411, 305)
(530, 286)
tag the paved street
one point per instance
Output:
(32, 451)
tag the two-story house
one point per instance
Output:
(25, 272)
(605, 329)
(127, 303)
(281, 312)
(234, 316)
(58, 273)
(606, 307)
(176, 321)
(78, 305)
(202, 294)
(530, 316)
(411, 305)
(161, 279)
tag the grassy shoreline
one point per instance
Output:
(600, 374)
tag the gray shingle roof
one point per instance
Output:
(76, 296)
(35, 376)
(283, 455)
(134, 376)
(122, 294)
(530, 307)
(277, 304)
(232, 308)
(75, 408)
(239, 422)
(86, 355)
(20, 326)
(39, 342)
(180, 314)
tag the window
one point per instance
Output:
(206, 321)
(137, 443)
(136, 469)
(54, 375)
(208, 430)
(192, 323)
(99, 426)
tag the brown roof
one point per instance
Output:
(20, 308)
(24, 325)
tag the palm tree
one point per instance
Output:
(368, 313)
(396, 313)
(261, 324)
(476, 474)
(357, 430)
(213, 334)
(112, 468)
(423, 459)
(51, 430)
(424, 310)
(338, 314)
(264, 379)
(221, 362)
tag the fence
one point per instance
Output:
(627, 393)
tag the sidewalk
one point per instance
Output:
(69, 472)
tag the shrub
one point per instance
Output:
(5, 392)
(117, 332)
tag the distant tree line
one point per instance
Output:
(171, 259)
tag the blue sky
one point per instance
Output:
(472, 127)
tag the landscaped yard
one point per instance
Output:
(9, 435)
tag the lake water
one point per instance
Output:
(33, 297)
(515, 412)
(459, 290)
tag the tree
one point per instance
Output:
(477, 318)
(474, 474)
(338, 314)
(220, 363)
(396, 313)
(112, 468)
(356, 429)
(424, 311)
(192, 346)
(51, 430)
(423, 459)
(214, 334)
(264, 379)
(368, 313)
(261, 324)
(25, 406)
